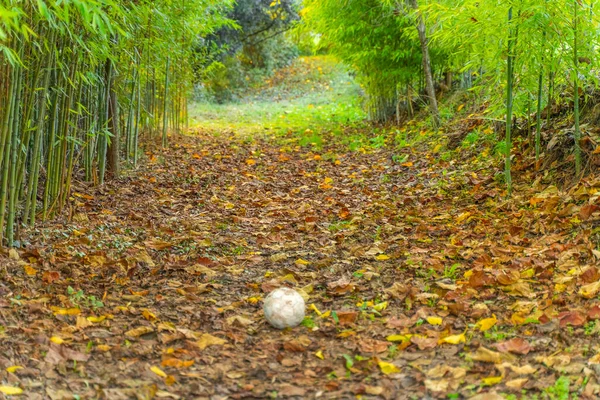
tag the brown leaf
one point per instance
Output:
(59, 353)
(50, 276)
(424, 343)
(291, 391)
(586, 211)
(157, 244)
(508, 277)
(594, 312)
(373, 346)
(139, 331)
(341, 286)
(515, 345)
(347, 317)
(479, 279)
(294, 346)
(573, 318)
(591, 274)
(486, 355)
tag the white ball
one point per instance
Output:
(284, 308)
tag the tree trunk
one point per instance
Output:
(113, 115)
(422, 30)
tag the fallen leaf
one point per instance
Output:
(11, 390)
(454, 339)
(58, 354)
(65, 311)
(347, 317)
(374, 390)
(492, 380)
(587, 210)
(139, 331)
(176, 363)
(13, 255)
(516, 384)
(29, 270)
(57, 340)
(158, 371)
(486, 355)
(434, 320)
(573, 318)
(515, 345)
(388, 368)
(486, 323)
(239, 320)
(590, 291)
(209, 340)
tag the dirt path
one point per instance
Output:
(154, 288)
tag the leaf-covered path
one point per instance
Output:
(421, 281)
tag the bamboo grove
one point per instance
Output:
(521, 57)
(82, 84)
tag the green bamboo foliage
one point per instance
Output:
(577, 134)
(509, 101)
(68, 71)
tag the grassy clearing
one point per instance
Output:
(315, 94)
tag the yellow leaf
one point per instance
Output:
(250, 161)
(103, 347)
(96, 320)
(560, 287)
(56, 340)
(148, 315)
(518, 319)
(528, 273)
(301, 262)
(319, 354)
(382, 257)
(462, 217)
(398, 338)
(486, 323)
(326, 314)
(139, 331)
(380, 306)
(158, 372)
(590, 291)
(460, 107)
(65, 311)
(492, 380)
(11, 390)
(454, 339)
(316, 310)
(29, 270)
(388, 368)
(13, 368)
(209, 340)
(434, 320)
(13, 254)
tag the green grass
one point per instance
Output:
(316, 94)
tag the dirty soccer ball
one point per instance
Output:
(284, 308)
